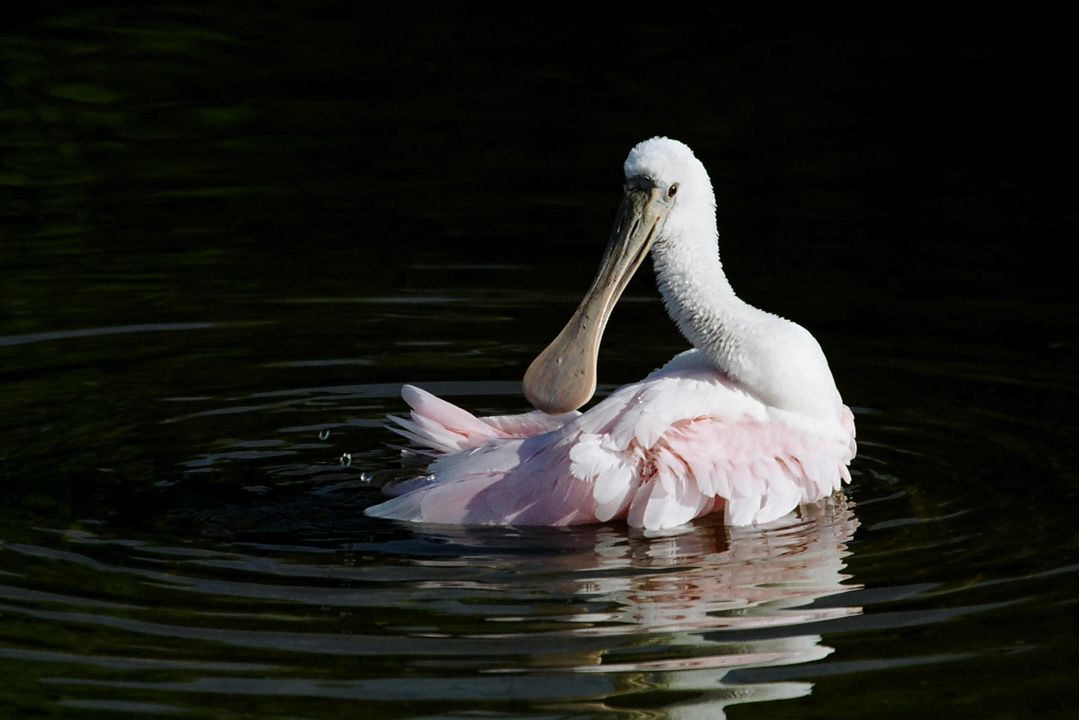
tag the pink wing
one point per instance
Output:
(757, 471)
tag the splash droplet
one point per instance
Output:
(346, 459)
(323, 434)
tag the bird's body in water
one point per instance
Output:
(749, 420)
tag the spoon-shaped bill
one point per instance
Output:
(563, 376)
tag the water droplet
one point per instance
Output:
(365, 477)
(346, 459)
(323, 434)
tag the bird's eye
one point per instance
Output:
(672, 190)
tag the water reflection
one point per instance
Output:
(588, 619)
(679, 612)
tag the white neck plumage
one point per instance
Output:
(772, 358)
(695, 290)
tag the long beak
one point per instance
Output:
(563, 377)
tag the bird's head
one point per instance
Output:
(663, 179)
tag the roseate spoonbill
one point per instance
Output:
(749, 420)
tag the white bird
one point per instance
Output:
(749, 420)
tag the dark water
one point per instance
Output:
(229, 233)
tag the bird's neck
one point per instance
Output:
(772, 358)
(698, 296)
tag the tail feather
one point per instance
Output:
(408, 429)
(440, 425)
(445, 428)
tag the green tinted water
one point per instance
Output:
(229, 236)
